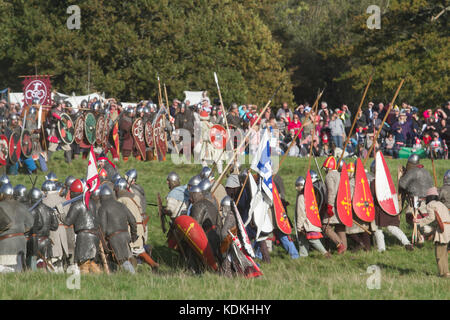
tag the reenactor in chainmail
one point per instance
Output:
(39, 244)
(332, 179)
(132, 202)
(13, 243)
(414, 182)
(115, 220)
(131, 178)
(53, 137)
(128, 145)
(205, 186)
(178, 197)
(60, 249)
(104, 163)
(444, 191)
(208, 217)
(320, 191)
(85, 224)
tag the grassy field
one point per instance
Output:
(404, 275)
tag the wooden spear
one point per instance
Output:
(243, 141)
(221, 102)
(355, 118)
(243, 187)
(384, 120)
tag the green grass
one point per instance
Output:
(404, 275)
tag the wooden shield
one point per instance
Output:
(138, 135)
(99, 130)
(148, 132)
(344, 199)
(218, 136)
(3, 149)
(66, 128)
(14, 147)
(159, 136)
(384, 187)
(362, 201)
(89, 128)
(281, 217)
(189, 229)
(105, 137)
(311, 208)
(79, 130)
(26, 143)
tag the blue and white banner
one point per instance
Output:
(262, 164)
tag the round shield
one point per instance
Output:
(99, 130)
(79, 130)
(3, 149)
(218, 136)
(26, 144)
(66, 128)
(14, 147)
(89, 127)
(148, 133)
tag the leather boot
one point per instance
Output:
(94, 268)
(84, 267)
(147, 259)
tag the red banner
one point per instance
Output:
(37, 87)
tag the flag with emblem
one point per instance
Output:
(92, 179)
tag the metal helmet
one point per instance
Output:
(51, 176)
(84, 104)
(314, 176)
(68, 104)
(447, 177)
(69, 180)
(105, 192)
(340, 165)
(243, 175)
(414, 159)
(205, 185)
(130, 112)
(13, 116)
(226, 202)
(48, 185)
(195, 180)
(120, 184)
(20, 192)
(206, 172)
(173, 177)
(300, 182)
(146, 110)
(140, 109)
(115, 177)
(131, 175)
(4, 179)
(330, 163)
(96, 193)
(35, 195)
(35, 101)
(6, 190)
(59, 186)
(77, 186)
(195, 189)
(372, 167)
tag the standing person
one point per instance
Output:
(132, 202)
(85, 224)
(125, 125)
(308, 233)
(337, 130)
(332, 179)
(115, 220)
(284, 116)
(442, 230)
(13, 244)
(325, 113)
(233, 119)
(54, 141)
(60, 249)
(347, 119)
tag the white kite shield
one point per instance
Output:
(384, 187)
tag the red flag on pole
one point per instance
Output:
(92, 179)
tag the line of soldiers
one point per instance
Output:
(59, 129)
(38, 228)
(213, 211)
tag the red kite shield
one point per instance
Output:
(362, 197)
(3, 149)
(159, 135)
(138, 135)
(384, 187)
(14, 147)
(344, 199)
(280, 213)
(188, 228)
(312, 210)
(218, 136)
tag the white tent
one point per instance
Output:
(194, 97)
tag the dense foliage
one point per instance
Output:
(253, 45)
